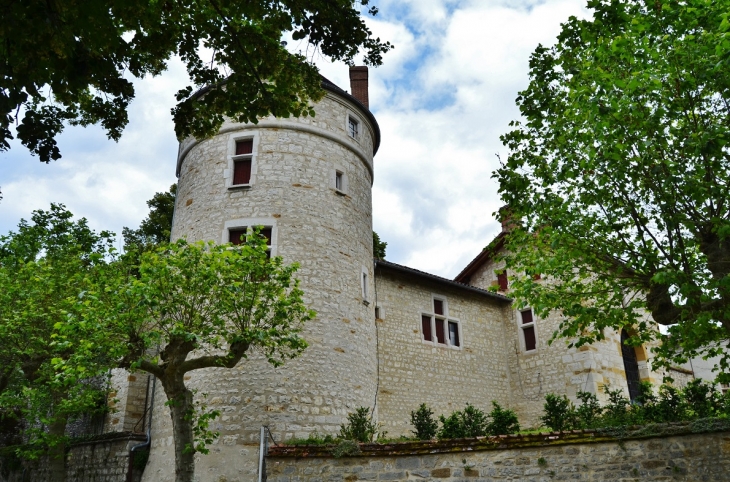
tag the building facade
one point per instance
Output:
(386, 336)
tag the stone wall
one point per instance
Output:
(555, 367)
(104, 459)
(127, 401)
(545, 457)
(412, 371)
(329, 233)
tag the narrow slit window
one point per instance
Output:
(364, 286)
(338, 181)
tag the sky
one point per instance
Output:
(442, 98)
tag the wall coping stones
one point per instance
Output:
(502, 442)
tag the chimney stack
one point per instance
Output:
(507, 218)
(359, 84)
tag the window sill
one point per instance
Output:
(366, 302)
(237, 187)
(339, 192)
(440, 345)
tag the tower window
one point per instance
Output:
(338, 181)
(438, 328)
(364, 286)
(353, 128)
(237, 236)
(242, 163)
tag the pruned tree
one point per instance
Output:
(620, 174)
(204, 306)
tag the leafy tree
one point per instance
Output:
(156, 228)
(559, 413)
(52, 365)
(620, 175)
(75, 68)
(205, 305)
(378, 246)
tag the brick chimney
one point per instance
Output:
(359, 84)
(507, 219)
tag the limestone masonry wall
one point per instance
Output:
(329, 233)
(413, 371)
(689, 457)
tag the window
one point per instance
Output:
(438, 328)
(237, 235)
(353, 127)
(527, 326)
(379, 314)
(339, 185)
(502, 280)
(364, 286)
(235, 231)
(242, 162)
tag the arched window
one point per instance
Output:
(631, 366)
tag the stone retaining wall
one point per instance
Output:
(679, 455)
(105, 459)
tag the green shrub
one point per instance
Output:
(470, 422)
(588, 413)
(424, 422)
(701, 400)
(359, 427)
(559, 413)
(346, 447)
(503, 421)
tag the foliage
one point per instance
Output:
(620, 176)
(559, 413)
(192, 306)
(53, 363)
(424, 423)
(470, 422)
(346, 447)
(314, 439)
(77, 66)
(156, 228)
(378, 246)
(502, 421)
(696, 401)
(359, 426)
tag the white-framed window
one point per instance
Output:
(242, 148)
(236, 230)
(438, 328)
(339, 181)
(353, 126)
(528, 330)
(364, 285)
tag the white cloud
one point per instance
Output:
(442, 98)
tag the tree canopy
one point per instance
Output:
(156, 227)
(193, 306)
(52, 364)
(620, 175)
(76, 66)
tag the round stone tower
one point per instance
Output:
(308, 182)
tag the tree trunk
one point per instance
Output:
(57, 452)
(180, 400)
